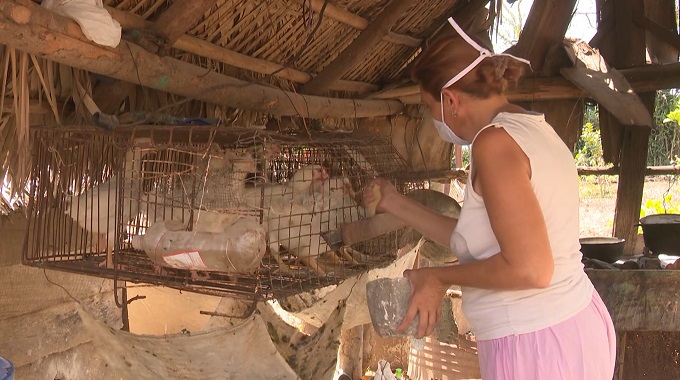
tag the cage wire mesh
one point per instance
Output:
(224, 211)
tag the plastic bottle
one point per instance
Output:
(238, 249)
(399, 374)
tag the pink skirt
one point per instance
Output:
(582, 347)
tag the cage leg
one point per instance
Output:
(349, 254)
(274, 251)
(357, 257)
(109, 256)
(312, 262)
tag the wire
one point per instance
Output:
(63, 288)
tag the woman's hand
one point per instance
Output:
(427, 293)
(388, 194)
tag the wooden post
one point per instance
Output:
(36, 30)
(351, 352)
(358, 49)
(628, 50)
(631, 181)
(545, 26)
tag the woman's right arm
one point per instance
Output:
(428, 222)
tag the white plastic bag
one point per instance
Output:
(384, 372)
(95, 22)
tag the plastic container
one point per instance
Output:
(239, 249)
(6, 369)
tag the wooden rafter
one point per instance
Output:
(666, 35)
(358, 49)
(641, 79)
(206, 49)
(355, 21)
(546, 25)
(36, 30)
(180, 18)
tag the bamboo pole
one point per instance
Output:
(36, 30)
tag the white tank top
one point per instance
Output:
(498, 313)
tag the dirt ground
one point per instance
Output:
(598, 200)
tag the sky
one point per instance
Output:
(583, 25)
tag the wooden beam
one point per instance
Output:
(666, 35)
(355, 21)
(206, 49)
(614, 170)
(641, 79)
(545, 26)
(180, 17)
(660, 47)
(36, 30)
(606, 85)
(358, 49)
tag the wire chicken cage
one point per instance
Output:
(224, 211)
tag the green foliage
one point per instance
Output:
(664, 141)
(597, 186)
(588, 150)
(667, 205)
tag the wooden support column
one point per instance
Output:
(180, 18)
(351, 352)
(634, 150)
(33, 29)
(628, 50)
(358, 49)
(545, 26)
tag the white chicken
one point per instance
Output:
(96, 208)
(233, 168)
(290, 210)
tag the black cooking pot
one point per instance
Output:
(607, 249)
(661, 233)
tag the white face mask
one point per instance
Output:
(447, 134)
(444, 131)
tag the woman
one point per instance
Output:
(534, 312)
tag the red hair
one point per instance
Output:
(450, 55)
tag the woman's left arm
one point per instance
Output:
(525, 261)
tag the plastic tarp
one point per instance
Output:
(95, 22)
